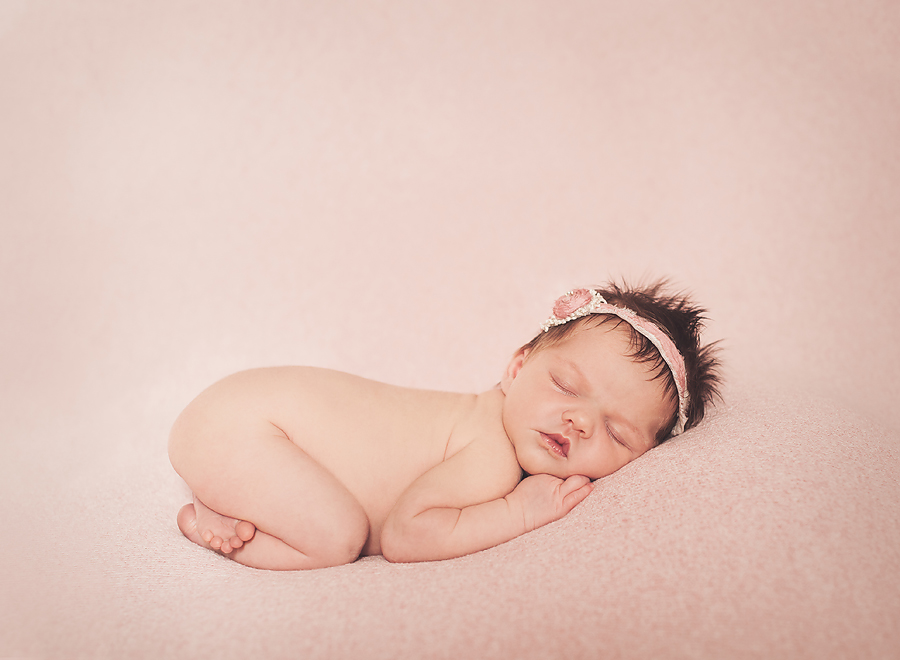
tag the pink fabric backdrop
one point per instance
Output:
(401, 189)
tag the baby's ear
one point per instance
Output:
(512, 369)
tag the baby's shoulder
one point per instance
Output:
(482, 436)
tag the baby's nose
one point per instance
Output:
(581, 422)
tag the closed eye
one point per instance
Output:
(562, 388)
(616, 438)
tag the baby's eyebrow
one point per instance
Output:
(637, 439)
(574, 367)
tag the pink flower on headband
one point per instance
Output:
(571, 302)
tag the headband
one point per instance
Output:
(582, 302)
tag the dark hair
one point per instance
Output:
(680, 319)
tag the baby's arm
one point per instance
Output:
(460, 506)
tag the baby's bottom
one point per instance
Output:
(263, 501)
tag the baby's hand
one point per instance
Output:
(543, 498)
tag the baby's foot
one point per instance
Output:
(212, 530)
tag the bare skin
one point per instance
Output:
(295, 467)
(218, 532)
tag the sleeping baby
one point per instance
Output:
(296, 468)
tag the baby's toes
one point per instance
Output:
(244, 530)
(235, 542)
(215, 543)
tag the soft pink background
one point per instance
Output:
(401, 189)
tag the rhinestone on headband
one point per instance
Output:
(582, 302)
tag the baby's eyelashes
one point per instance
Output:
(615, 437)
(562, 388)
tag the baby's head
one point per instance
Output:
(615, 371)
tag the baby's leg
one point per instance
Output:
(303, 516)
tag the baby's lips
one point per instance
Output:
(561, 441)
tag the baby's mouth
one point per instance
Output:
(558, 444)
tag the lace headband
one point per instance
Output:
(582, 302)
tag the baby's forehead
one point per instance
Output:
(603, 334)
(591, 346)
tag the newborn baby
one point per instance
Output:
(297, 467)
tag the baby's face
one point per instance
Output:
(582, 406)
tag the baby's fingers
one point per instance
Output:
(574, 490)
(573, 483)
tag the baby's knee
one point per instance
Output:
(348, 538)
